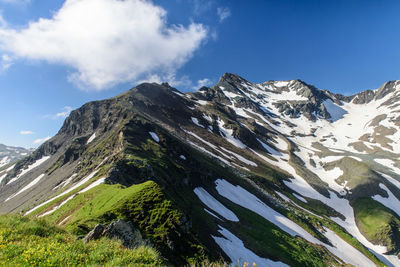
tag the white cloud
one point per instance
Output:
(202, 82)
(41, 140)
(106, 42)
(5, 62)
(170, 78)
(63, 114)
(223, 13)
(26, 132)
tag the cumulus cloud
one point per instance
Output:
(106, 42)
(26, 132)
(41, 140)
(223, 13)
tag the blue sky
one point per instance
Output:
(56, 55)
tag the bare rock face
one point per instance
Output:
(96, 233)
(121, 230)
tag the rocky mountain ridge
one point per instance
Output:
(236, 165)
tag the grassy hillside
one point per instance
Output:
(33, 242)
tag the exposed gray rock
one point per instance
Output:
(96, 233)
(121, 230)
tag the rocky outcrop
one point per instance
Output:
(121, 230)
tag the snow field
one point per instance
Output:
(243, 198)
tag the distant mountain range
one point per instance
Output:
(9, 154)
(277, 173)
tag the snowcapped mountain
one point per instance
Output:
(9, 154)
(278, 173)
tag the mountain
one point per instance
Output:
(277, 173)
(9, 154)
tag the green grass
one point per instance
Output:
(378, 223)
(32, 242)
(145, 205)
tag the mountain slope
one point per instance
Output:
(224, 171)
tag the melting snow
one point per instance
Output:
(243, 198)
(30, 167)
(390, 202)
(345, 251)
(91, 138)
(35, 181)
(300, 197)
(269, 149)
(196, 121)
(227, 134)
(57, 207)
(2, 177)
(239, 157)
(390, 179)
(154, 136)
(238, 253)
(66, 182)
(83, 181)
(212, 214)
(214, 204)
(94, 184)
(334, 110)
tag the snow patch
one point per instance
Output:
(35, 181)
(154, 136)
(83, 181)
(390, 202)
(390, 179)
(300, 198)
(94, 184)
(91, 138)
(334, 110)
(30, 167)
(227, 134)
(57, 207)
(196, 121)
(214, 204)
(238, 253)
(212, 214)
(269, 149)
(243, 198)
(239, 157)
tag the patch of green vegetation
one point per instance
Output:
(33, 242)
(145, 205)
(91, 207)
(377, 223)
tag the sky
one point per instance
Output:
(56, 55)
